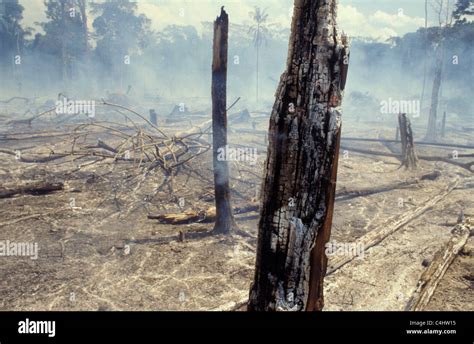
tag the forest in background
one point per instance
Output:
(123, 204)
(122, 55)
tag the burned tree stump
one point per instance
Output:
(224, 217)
(301, 168)
(409, 158)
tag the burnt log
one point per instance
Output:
(37, 189)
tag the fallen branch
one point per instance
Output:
(204, 216)
(103, 145)
(32, 136)
(345, 195)
(30, 119)
(32, 216)
(421, 143)
(21, 158)
(377, 235)
(186, 217)
(430, 279)
(137, 114)
(232, 105)
(467, 166)
(40, 188)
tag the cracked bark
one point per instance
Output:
(225, 222)
(301, 167)
(409, 158)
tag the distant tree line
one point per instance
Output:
(118, 49)
(122, 50)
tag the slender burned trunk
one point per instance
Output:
(224, 217)
(82, 8)
(432, 120)
(300, 176)
(64, 57)
(422, 97)
(409, 158)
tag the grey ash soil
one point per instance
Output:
(103, 253)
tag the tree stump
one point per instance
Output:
(409, 158)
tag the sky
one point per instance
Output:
(377, 19)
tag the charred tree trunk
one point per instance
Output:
(64, 63)
(82, 8)
(431, 132)
(422, 97)
(224, 217)
(301, 168)
(409, 158)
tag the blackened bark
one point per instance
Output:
(301, 167)
(224, 217)
(409, 158)
(319, 260)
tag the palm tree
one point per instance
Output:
(258, 32)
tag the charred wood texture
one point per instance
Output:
(301, 167)
(430, 279)
(224, 217)
(409, 158)
(38, 188)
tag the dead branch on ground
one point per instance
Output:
(467, 166)
(204, 216)
(377, 235)
(38, 188)
(431, 277)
